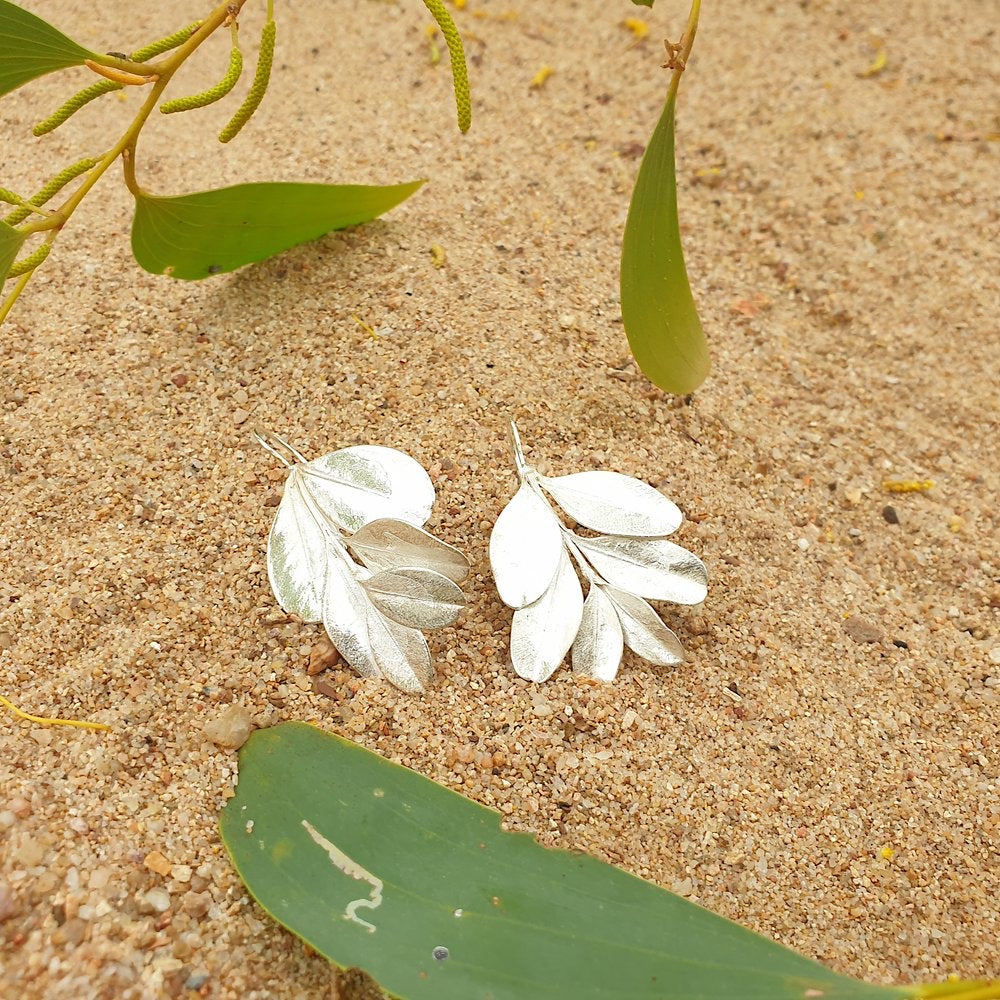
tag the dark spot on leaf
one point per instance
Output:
(440, 953)
(214, 268)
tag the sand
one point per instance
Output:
(823, 768)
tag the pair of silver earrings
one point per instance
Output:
(348, 548)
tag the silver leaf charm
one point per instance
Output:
(391, 544)
(542, 633)
(644, 631)
(650, 567)
(524, 547)
(532, 554)
(614, 504)
(365, 503)
(360, 484)
(416, 597)
(598, 647)
(296, 554)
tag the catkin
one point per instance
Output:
(257, 90)
(459, 70)
(52, 188)
(9, 197)
(165, 44)
(211, 95)
(77, 101)
(29, 263)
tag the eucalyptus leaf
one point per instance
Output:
(368, 482)
(389, 543)
(297, 553)
(379, 868)
(598, 646)
(373, 644)
(614, 503)
(658, 310)
(542, 633)
(11, 242)
(31, 47)
(193, 236)
(649, 567)
(644, 631)
(525, 547)
(416, 597)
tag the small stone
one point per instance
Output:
(322, 656)
(231, 729)
(196, 980)
(28, 853)
(240, 416)
(72, 932)
(9, 906)
(182, 873)
(21, 808)
(327, 689)
(156, 862)
(180, 380)
(196, 903)
(890, 515)
(158, 900)
(862, 630)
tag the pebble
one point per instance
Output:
(862, 630)
(73, 931)
(196, 903)
(182, 873)
(231, 729)
(21, 808)
(322, 656)
(9, 906)
(156, 862)
(196, 980)
(158, 900)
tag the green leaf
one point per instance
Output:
(643, 3)
(192, 236)
(31, 47)
(658, 309)
(377, 867)
(11, 242)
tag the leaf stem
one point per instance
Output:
(678, 54)
(159, 74)
(8, 302)
(7, 703)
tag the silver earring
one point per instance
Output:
(347, 548)
(532, 555)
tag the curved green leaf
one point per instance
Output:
(377, 867)
(31, 47)
(192, 236)
(11, 242)
(658, 309)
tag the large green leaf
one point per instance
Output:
(31, 47)
(11, 242)
(192, 236)
(380, 868)
(658, 309)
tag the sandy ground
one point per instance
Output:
(837, 794)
